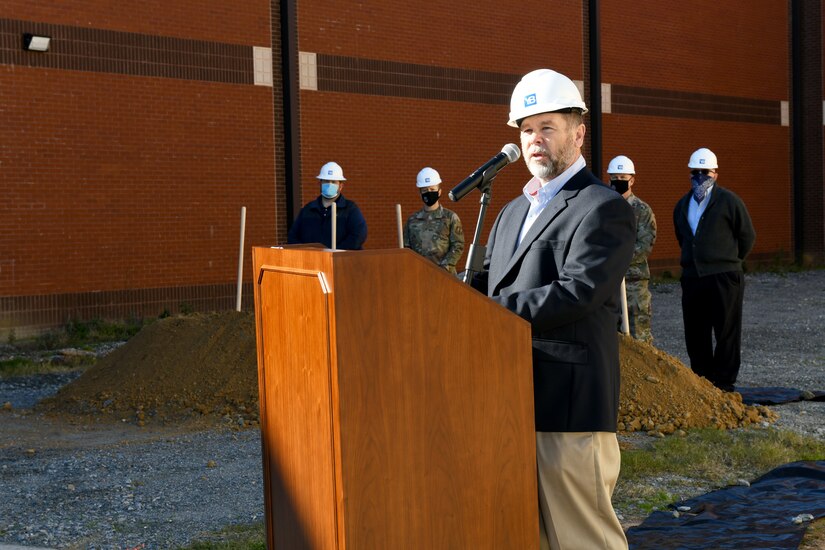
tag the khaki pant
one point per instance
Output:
(577, 473)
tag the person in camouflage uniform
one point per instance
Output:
(434, 232)
(622, 177)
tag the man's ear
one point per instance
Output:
(580, 131)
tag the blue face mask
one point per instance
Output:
(329, 190)
(700, 184)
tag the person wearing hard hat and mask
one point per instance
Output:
(622, 173)
(556, 256)
(434, 232)
(314, 222)
(715, 232)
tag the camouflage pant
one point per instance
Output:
(638, 310)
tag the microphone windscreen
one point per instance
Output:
(512, 151)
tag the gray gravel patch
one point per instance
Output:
(783, 339)
(153, 494)
(23, 392)
(134, 488)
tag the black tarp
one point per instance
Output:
(759, 516)
(775, 395)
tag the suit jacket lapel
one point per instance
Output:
(507, 237)
(550, 212)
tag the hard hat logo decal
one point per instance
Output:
(530, 100)
(427, 180)
(620, 167)
(701, 161)
(329, 172)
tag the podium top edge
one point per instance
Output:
(321, 249)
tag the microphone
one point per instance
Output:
(486, 172)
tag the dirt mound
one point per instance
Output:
(204, 367)
(660, 396)
(196, 367)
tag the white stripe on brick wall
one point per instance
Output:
(580, 85)
(308, 70)
(262, 59)
(606, 101)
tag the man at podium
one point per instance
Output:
(556, 257)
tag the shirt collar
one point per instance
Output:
(537, 193)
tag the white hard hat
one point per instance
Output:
(331, 171)
(543, 91)
(427, 177)
(703, 158)
(621, 165)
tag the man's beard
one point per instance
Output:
(551, 166)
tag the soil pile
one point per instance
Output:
(661, 396)
(204, 367)
(195, 367)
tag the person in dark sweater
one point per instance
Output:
(314, 221)
(716, 234)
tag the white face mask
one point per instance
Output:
(329, 190)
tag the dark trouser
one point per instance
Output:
(712, 306)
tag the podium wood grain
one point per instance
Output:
(396, 406)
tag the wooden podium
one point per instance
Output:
(396, 406)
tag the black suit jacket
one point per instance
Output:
(564, 278)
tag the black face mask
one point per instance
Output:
(621, 186)
(430, 197)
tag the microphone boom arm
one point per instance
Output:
(476, 252)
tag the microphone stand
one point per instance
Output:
(476, 253)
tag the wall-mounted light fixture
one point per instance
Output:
(36, 43)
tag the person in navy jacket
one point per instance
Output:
(314, 221)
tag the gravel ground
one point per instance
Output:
(782, 339)
(156, 493)
(127, 487)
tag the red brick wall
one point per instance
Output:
(735, 47)
(215, 20)
(486, 34)
(118, 182)
(388, 140)
(121, 181)
(753, 163)
(382, 142)
(100, 165)
(738, 48)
